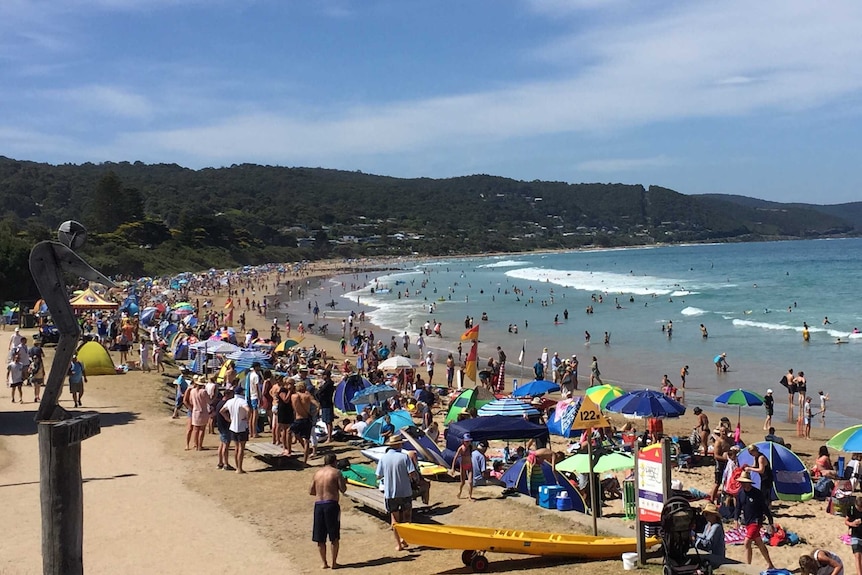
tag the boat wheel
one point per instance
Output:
(479, 563)
(467, 556)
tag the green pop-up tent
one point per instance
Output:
(471, 398)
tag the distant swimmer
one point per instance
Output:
(806, 336)
(586, 336)
(826, 321)
(704, 334)
(839, 340)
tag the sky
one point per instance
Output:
(762, 99)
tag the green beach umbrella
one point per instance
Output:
(739, 398)
(611, 461)
(601, 395)
(847, 440)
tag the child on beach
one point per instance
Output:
(464, 458)
(807, 418)
(824, 397)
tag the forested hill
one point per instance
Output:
(850, 211)
(154, 219)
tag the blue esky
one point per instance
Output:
(755, 98)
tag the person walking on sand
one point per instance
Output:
(327, 485)
(595, 374)
(397, 471)
(15, 376)
(235, 411)
(77, 379)
(749, 513)
(465, 465)
(303, 425)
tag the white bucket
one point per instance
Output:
(630, 561)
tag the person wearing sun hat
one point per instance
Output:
(397, 469)
(750, 510)
(711, 539)
(769, 406)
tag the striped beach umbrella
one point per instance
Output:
(601, 395)
(739, 398)
(508, 407)
(848, 440)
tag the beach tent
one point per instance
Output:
(400, 418)
(471, 398)
(791, 480)
(347, 389)
(561, 419)
(492, 427)
(526, 477)
(90, 300)
(96, 359)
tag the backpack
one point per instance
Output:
(823, 488)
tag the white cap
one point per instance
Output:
(676, 484)
(768, 391)
(17, 329)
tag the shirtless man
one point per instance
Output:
(702, 429)
(302, 425)
(720, 451)
(682, 373)
(326, 486)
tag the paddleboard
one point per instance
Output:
(361, 474)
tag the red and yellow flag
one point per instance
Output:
(472, 365)
(228, 304)
(471, 334)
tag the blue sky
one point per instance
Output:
(755, 98)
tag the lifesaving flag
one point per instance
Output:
(471, 334)
(228, 304)
(523, 352)
(472, 364)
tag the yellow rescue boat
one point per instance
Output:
(476, 540)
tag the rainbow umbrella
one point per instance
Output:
(739, 398)
(601, 395)
(848, 440)
(287, 344)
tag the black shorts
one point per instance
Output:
(719, 472)
(240, 437)
(397, 504)
(327, 522)
(301, 427)
(285, 415)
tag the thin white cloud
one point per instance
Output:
(106, 100)
(614, 165)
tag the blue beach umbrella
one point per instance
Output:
(646, 403)
(535, 388)
(508, 407)
(739, 397)
(373, 395)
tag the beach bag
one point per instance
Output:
(823, 488)
(733, 486)
(779, 537)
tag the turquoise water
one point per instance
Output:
(752, 298)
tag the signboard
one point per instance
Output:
(75, 430)
(589, 415)
(650, 483)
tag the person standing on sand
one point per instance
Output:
(465, 465)
(326, 397)
(235, 411)
(749, 513)
(253, 392)
(854, 522)
(182, 382)
(801, 388)
(302, 426)
(769, 405)
(327, 485)
(223, 426)
(397, 470)
(702, 428)
(199, 406)
(720, 456)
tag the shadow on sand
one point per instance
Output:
(22, 422)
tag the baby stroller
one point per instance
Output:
(677, 522)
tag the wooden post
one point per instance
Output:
(595, 490)
(62, 496)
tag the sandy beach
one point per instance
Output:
(150, 506)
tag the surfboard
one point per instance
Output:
(361, 474)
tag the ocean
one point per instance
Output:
(751, 297)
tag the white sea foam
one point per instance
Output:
(693, 311)
(765, 325)
(612, 283)
(504, 264)
(683, 293)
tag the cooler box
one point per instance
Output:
(548, 496)
(564, 502)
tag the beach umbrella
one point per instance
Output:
(215, 346)
(646, 403)
(396, 362)
(183, 305)
(287, 344)
(534, 388)
(373, 394)
(508, 407)
(604, 394)
(249, 355)
(610, 461)
(739, 398)
(848, 440)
